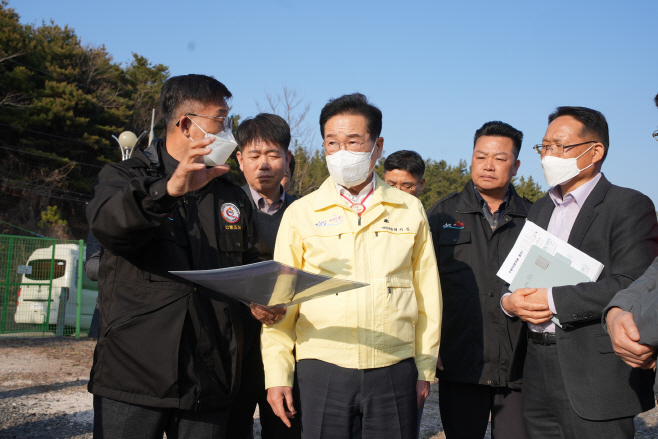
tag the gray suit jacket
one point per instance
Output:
(616, 226)
(641, 299)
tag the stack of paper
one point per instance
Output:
(554, 253)
(268, 283)
(542, 260)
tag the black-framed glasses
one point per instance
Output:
(558, 149)
(655, 134)
(352, 145)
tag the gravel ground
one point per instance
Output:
(43, 392)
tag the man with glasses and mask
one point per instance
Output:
(631, 318)
(473, 231)
(168, 352)
(573, 384)
(365, 357)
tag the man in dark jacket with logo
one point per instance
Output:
(473, 231)
(168, 353)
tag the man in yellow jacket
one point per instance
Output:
(366, 357)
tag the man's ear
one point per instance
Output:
(421, 185)
(288, 158)
(238, 155)
(517, 164)
(599, 151)
(379, 147)
(183, 126)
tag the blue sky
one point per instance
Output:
(437, 69)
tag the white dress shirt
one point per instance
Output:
(359, 198)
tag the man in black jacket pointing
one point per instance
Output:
(168, 353)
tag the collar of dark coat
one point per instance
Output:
(585, 217)
(469, 203)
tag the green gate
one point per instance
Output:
(43, 288)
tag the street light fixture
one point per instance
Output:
(127, 141)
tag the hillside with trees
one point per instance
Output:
(61, 101)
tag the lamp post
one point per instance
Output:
(152, 134)
(127, 141)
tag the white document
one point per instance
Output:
(269, 283)
(531, 235)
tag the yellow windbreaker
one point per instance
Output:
(397, 316)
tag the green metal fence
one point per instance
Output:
(43, 288)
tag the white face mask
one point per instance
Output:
(221, 147)
(560, 171)
(349, 169)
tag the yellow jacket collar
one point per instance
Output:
(328, 195)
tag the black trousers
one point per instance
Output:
(120, 420)
(465, 410)
(547, 412)
(345, 403)
(252, 392)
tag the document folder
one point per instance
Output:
(532, 234)
(540, 269)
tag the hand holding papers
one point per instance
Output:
(542, 260)
(268, 283)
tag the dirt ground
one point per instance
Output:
(43, 392)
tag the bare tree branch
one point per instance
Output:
(11, 56)
(13, 100)
(289, 104)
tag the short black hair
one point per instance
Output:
(594, 124)
(656, 100)
(356, 103)
(265, 127)
(497, 128)
(190, 90)
(409, 161)
(292, 165)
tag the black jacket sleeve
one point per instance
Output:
(127, 208)
(93, 257)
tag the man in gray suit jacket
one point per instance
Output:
(573, 384)
(631, 318)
